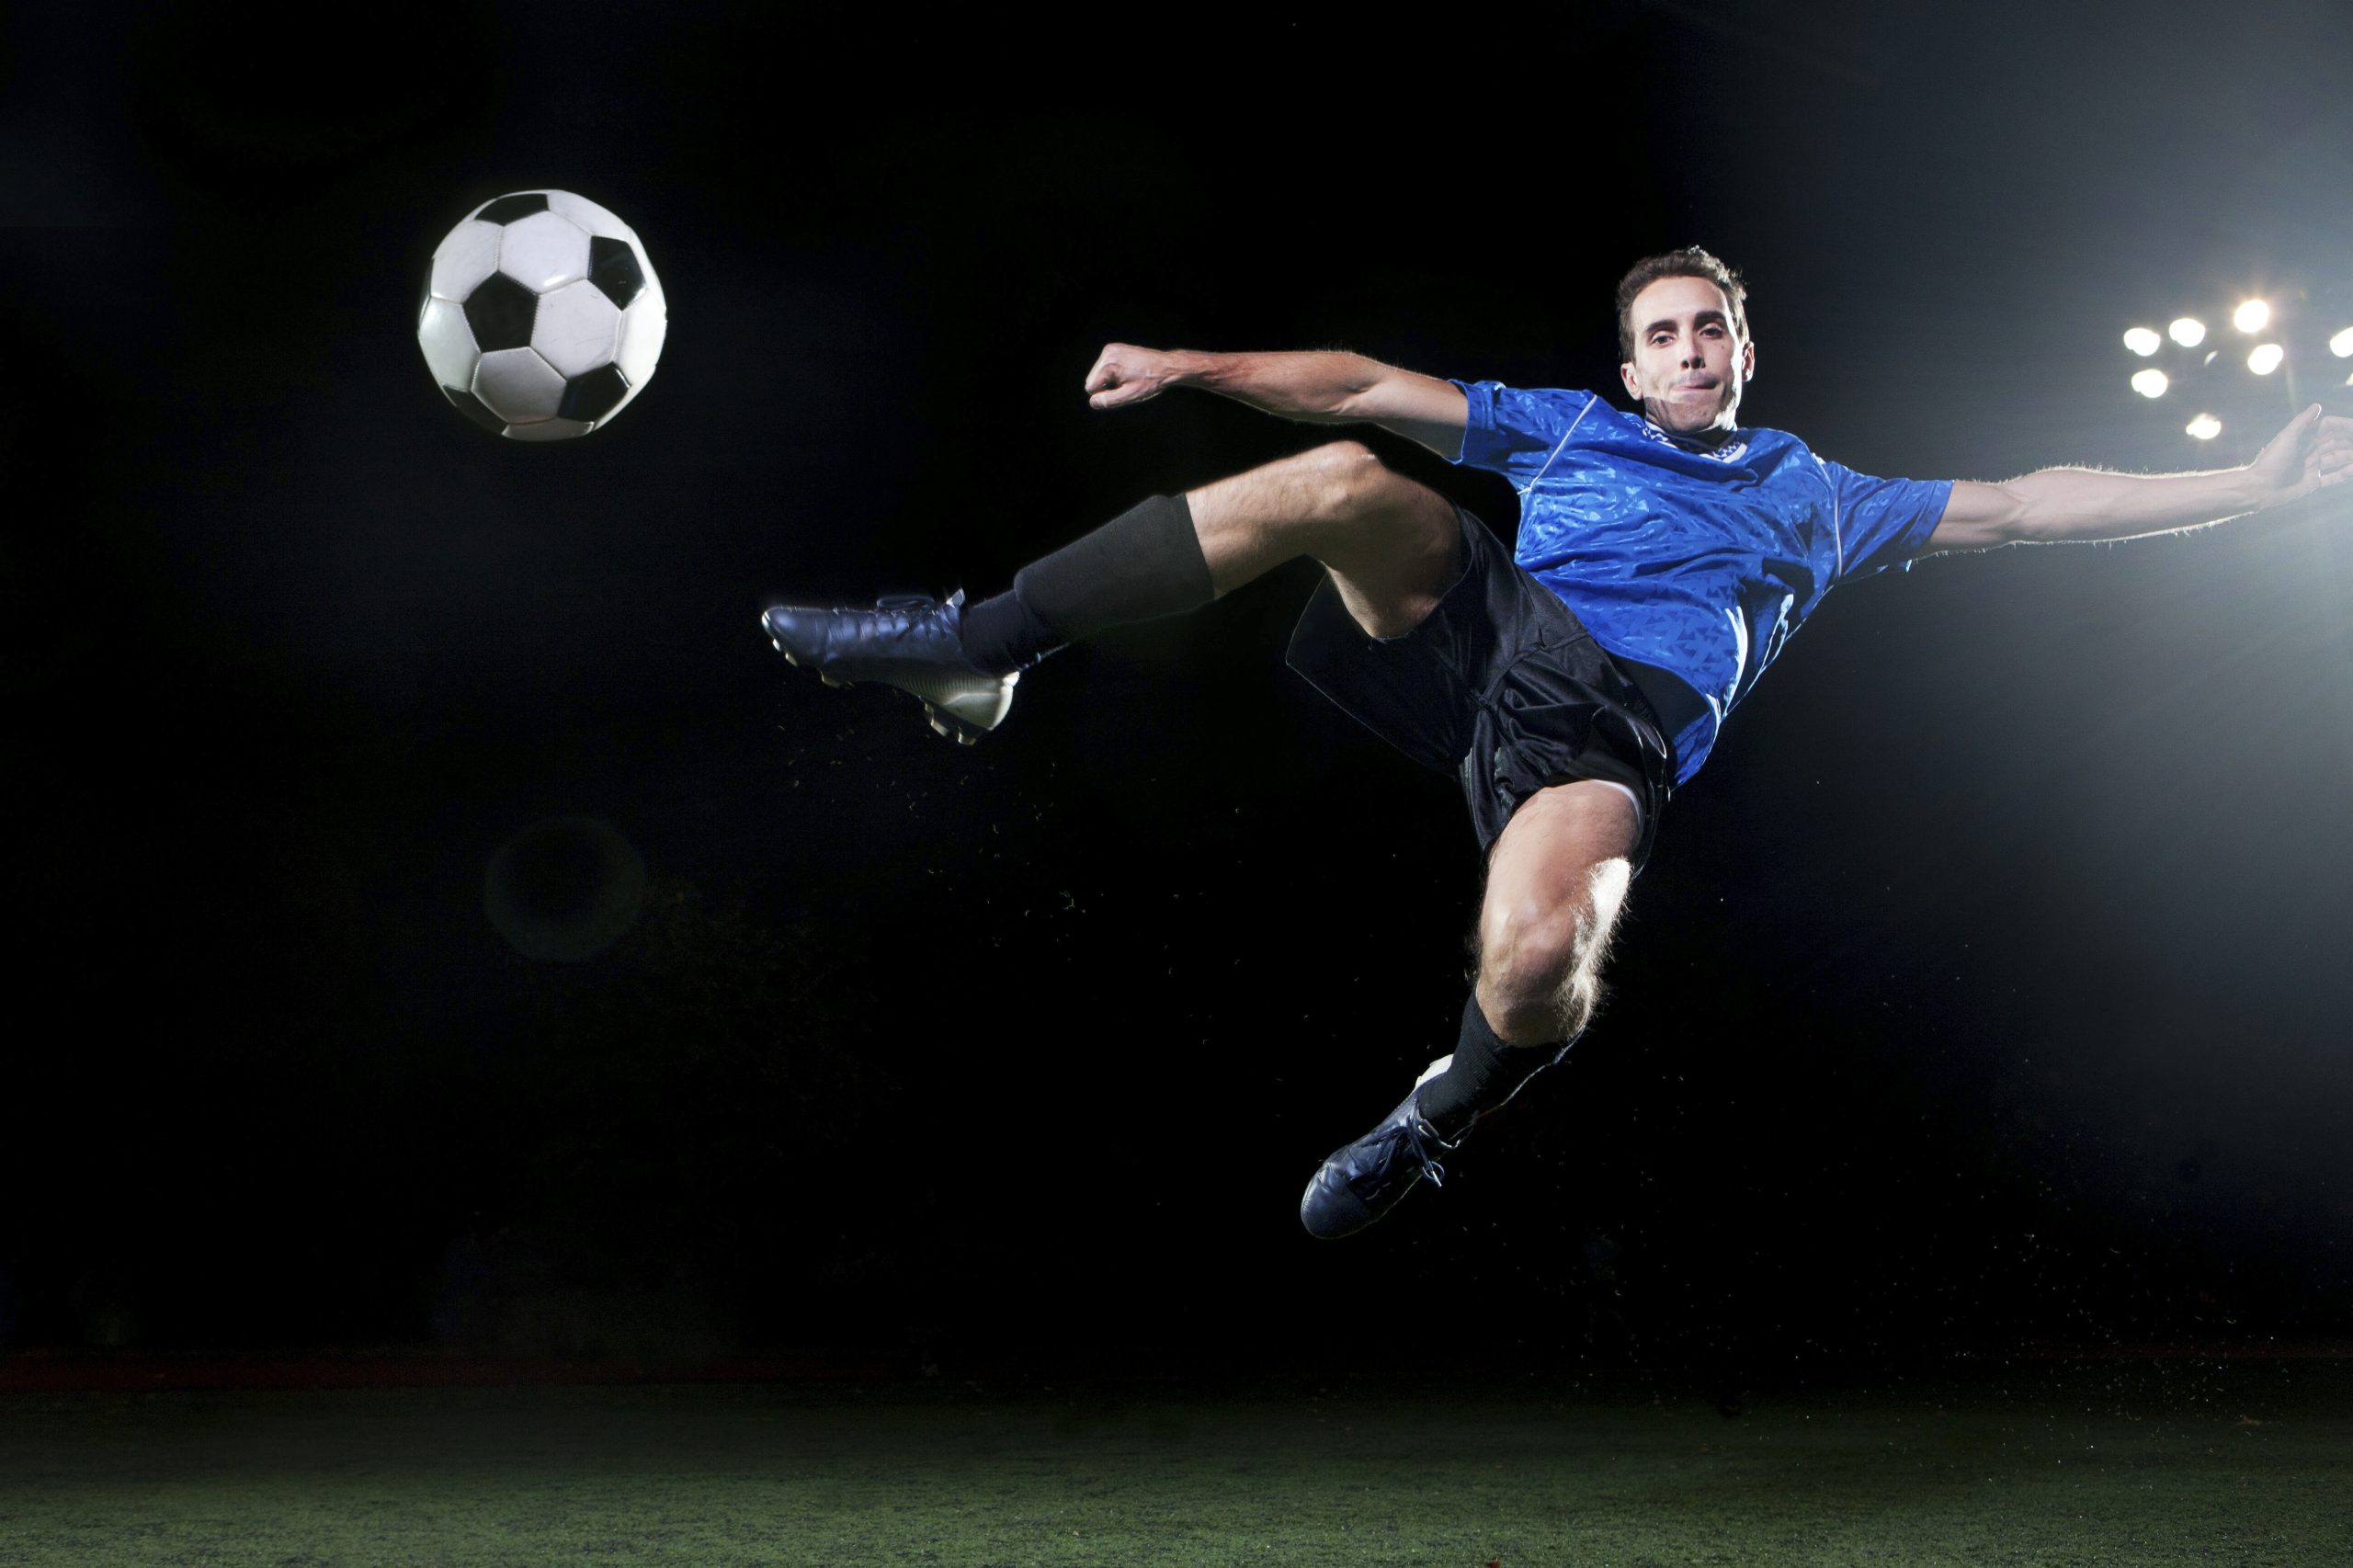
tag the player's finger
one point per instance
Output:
(1121, 395)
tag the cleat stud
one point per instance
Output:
(963, 739)
(829, 680)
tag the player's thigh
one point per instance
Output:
(1396, 552)
(1556, 880)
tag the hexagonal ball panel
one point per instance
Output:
(578, 328)
(593, 395)
(501, 312)
(548, 430)
(472, 407)
(597, 220)
(448, 343)
(544, 251)
(612, 267)
(518, 385)
(644, 326)
(467, 255)
(508, 208)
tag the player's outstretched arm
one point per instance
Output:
(2059, 504)
(1316, 387)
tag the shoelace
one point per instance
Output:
(1409, 1132)
(896, 615)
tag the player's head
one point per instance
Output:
(1683, 339)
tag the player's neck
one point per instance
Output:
(1705, 441)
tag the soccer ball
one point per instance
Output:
(543, 316)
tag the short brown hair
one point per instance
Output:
(1689, 262)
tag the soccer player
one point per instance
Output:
(1663, 557)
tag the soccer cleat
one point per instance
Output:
(1365, 1179)
(909, 640)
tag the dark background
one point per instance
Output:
(1986, 991)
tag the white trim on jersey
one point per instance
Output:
(1590, 399)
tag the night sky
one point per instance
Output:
(1987, 989)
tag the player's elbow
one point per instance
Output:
(1983, 516)
(1362, 398)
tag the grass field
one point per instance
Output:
(2209, 1464)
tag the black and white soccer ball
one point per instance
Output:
(543, 316)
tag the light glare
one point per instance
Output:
(2144, 341)
(2150, 384)
(2187, 331)
(2253, 317)
(2342, 344)
(2205, 427)
(2266, 358)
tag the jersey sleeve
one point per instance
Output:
(1883, 522)
(1517, 431)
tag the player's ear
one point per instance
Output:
(1633, 385)
(1749, 360)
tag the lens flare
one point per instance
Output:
(2143, 341)
(2205, 427)
(2342, 344)
(2266, 358)
(2187, 331)
(2150, 384)
(2252, 317)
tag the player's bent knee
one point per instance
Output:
(1350, 477)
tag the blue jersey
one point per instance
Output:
(1697, 562)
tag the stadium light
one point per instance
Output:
(2180, 358)
(2342, 344)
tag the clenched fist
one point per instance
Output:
(1124, 373)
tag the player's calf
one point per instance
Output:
(1543, 932)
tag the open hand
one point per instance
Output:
(1125, 374)
(2313, 452)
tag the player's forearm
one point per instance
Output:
(2062, 503)
(1319, 386)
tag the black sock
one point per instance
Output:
(1484, 1073)
(1004, 634)
(1143, 564)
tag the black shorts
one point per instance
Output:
(1501, 685)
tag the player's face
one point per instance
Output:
(1687, 367)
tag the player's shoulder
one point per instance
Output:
(1569, 398)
